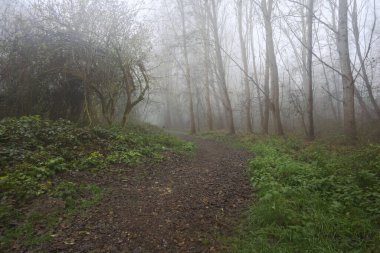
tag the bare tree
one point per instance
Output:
(213, 15)
(255, 71)
(205, 33)
(181, 8)
(243, 49)
(349, 123)
(363, 67)
(309, 87)
(267, 9)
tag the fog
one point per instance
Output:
(306, 67)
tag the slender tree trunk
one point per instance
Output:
(275, 87)
(267, 95)
(210, 121)
(220, 117)
(168, 118)
(260, 100)
(247, 90)
(187, 67)
(259, 97)
(337, 81)
(310, 97)
(220, 67)
(255, 74)
(206, 45)
(349, 123)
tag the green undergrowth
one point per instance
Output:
(311, 197)
(34, 152)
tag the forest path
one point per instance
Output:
(180, 205)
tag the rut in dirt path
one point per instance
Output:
(181, 205)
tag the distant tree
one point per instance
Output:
(221, 73)
(244, 56)
(363, 67)
(267, 9)
(309, 70)
(181, 8)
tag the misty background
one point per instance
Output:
(307, 67)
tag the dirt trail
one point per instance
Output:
(180, 205)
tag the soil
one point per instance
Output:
(180, 205)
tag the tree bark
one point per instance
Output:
(267, 101)
(310, 97)
(220, 67)
(187, 66)
(266, 8)
(349, 124)
(255, 74)
(247, 90)
(206, 45)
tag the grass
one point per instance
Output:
(310, 197)
(34, 152)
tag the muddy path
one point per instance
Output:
(181, 205)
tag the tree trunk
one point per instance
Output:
(337, 82)
(310, 97)
(187, 67)
(206, 45)
(267, 101)
(349, 123)
(247, 90)
(275, 88)
(220, 67)
(255, 74)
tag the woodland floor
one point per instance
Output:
(183, 204)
